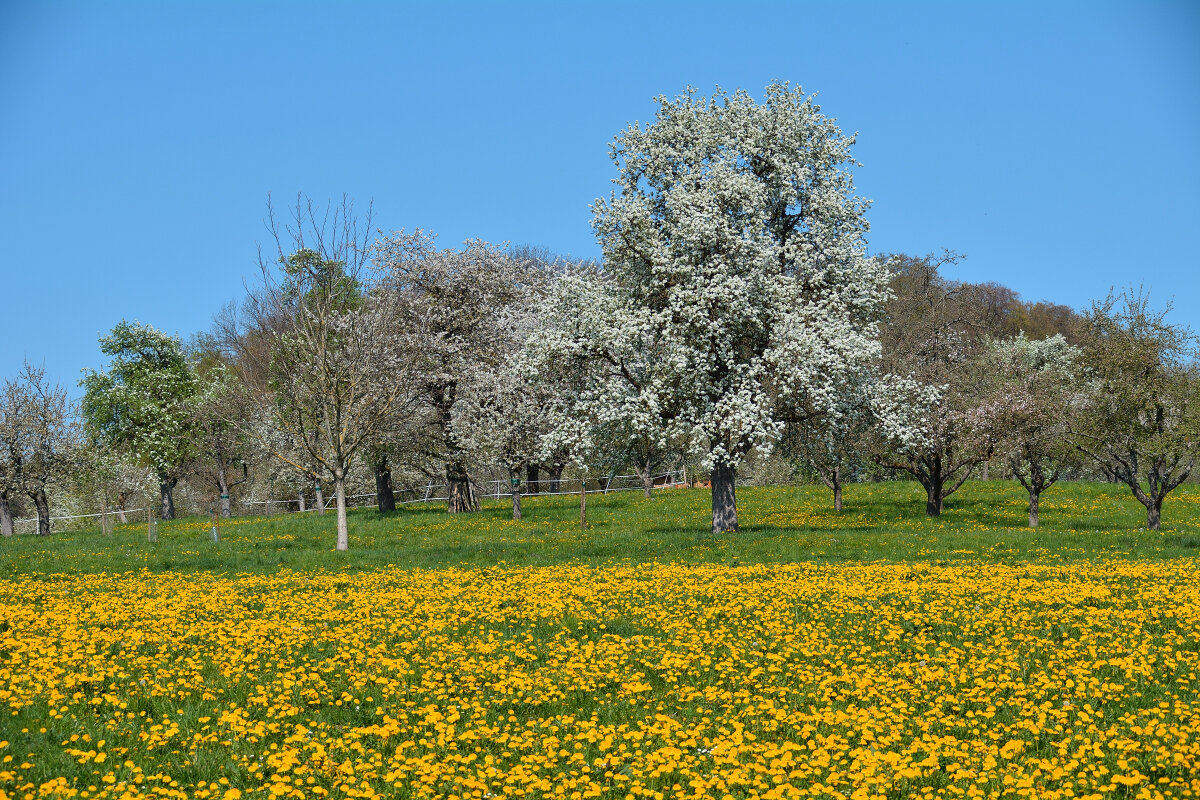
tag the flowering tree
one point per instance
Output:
(831, 444)
(594, 360)
(1034, 401)
(934, 427)
(38, 442)
(1142, 423)
(142, 404)
(736, 244)
(467, 302)
(220, 444)
(108, 479)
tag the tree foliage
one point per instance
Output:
(1142, 424)
(142, 403)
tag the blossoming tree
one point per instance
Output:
(736, 241)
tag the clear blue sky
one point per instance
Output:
(1057, 145)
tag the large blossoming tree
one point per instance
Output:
(736, 240)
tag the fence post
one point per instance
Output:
(216, 529)
(582, 504)
(151, 524)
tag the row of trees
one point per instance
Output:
(736, 312)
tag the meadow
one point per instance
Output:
(871, 653)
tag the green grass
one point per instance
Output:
(880, 522)
(256, 662)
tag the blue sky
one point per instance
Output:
(1057, 145)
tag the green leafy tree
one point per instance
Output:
(142, 404)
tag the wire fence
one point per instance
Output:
(429, 493)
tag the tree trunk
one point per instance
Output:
(986, 472)
(837, 488)
(647, 481)
(300, 497)
(385, 497)
(531, 478)
(104, 515)
(555, 470)
(122, 498)
(460, 495)
(166, 488)
(223, 487)
(583, 504)
(933, 495)
(319, 499)
(42, 504)
(514, 483)
(343, 531)
(6, 517)
(1154, 514)
(1033, 509)
(724, 498)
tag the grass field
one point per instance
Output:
(862, 654)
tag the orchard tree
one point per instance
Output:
(736, 242)
(341, 361)
(1142, 422)
(220, 444)
(14, 433)
(594, 361)
(107, 479)
(143, 403)
(935, 333)
(51, 437)
(831, 444)
(1034, 400)
(467, 302)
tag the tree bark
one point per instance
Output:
(514, 483)
(724, 498)
(1154, 514)
(385, 497)
(555, 470)
(986, 471)
(42, 504)
(223, 487)
(1033, 509)
(319, 499)
(122, 499)
(6, 516)
(532, 471)
(343, 530)
(460, 494)
(166, 488)
(933, 495)
(834, 482)
(647, 478)
(300, 497)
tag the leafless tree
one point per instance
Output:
(341, 366)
